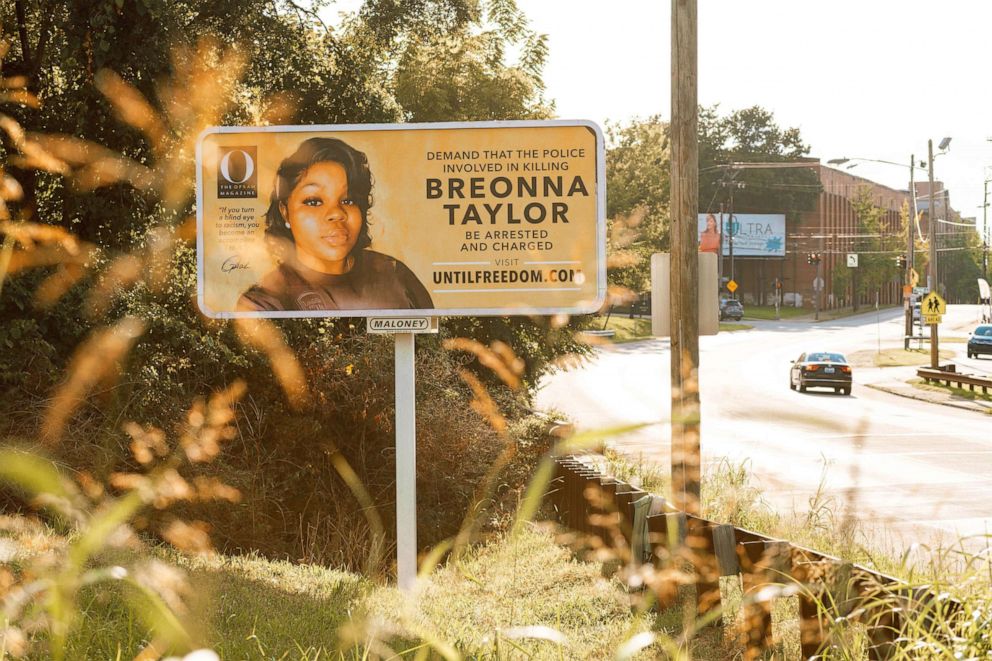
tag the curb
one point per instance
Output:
(908, 395)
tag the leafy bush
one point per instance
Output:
(104, 330)
(295, 504)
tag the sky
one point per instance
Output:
(870, 79)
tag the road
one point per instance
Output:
(916, 471)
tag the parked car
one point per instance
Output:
(980, 341)
(731, 309)
(821, 369)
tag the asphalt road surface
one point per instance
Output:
(911, 471)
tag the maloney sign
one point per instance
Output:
(382, 220)
(754, 234)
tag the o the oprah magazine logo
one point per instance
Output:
(237, 172)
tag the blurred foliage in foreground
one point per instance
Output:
(99, 145)
(97, 294)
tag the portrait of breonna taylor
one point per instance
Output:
(316, 228)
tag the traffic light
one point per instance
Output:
(901, 261)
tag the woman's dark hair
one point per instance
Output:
(309, 153)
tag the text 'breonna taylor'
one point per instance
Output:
(534, 188)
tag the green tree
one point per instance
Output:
(961, 267)
(327, 76)
(877, 244)
(343, 75)
(840, 281)
(752, 136)
(638, 189)
(463, 75)
(638, 185)
(397, 59)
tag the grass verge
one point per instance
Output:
(627, 329)
(897, 357)
(514, 597)
(639, 328)
(961, 393)
(767, 312)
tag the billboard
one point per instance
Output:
(497, 218)
(754, 234)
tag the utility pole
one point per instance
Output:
(985, 232)
(684, 263)
(719, 261)
(932, 265)
(909, 255)
(817, 279)
(733, 275)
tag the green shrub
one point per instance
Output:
(295, 504)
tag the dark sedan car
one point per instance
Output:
(820, 369)
(731, 309)
(980, 341)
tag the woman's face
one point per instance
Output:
(710, 224)
(324, 220)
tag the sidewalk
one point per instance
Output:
(841, 313)
(825, 315)
(893, 380)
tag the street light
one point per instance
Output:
(910, 248)
(932, 265)
(931, 212)
(842, 161)
(912, 186)
(985, 228)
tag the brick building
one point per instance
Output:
(831, 231)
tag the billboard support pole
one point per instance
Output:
(406, 462)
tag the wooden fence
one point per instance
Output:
(625, 517)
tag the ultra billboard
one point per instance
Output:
(497, 218)
(754, 234)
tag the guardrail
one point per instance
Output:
(623, 516)
(949, 376)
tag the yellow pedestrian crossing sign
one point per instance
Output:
(933, 304)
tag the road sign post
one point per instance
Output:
(778, 297)
(932, 309)
(817, 288)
